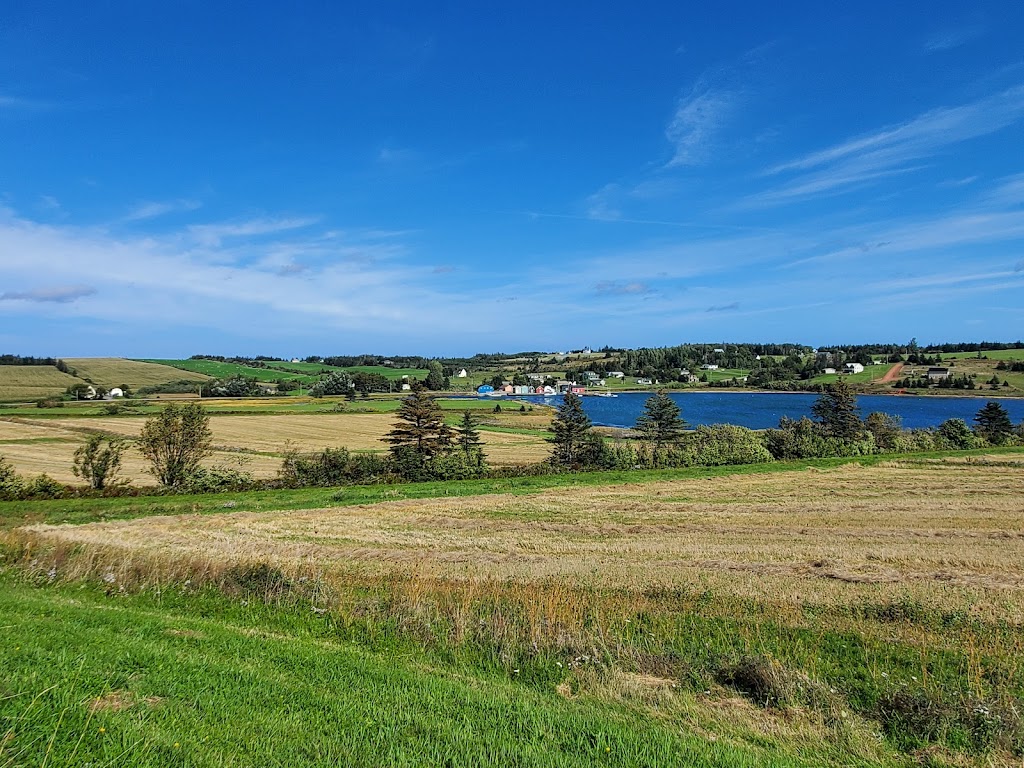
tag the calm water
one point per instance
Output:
(760, 410)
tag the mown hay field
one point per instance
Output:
(31, 382)
(115, 372)
(253, 443)
(948, 534)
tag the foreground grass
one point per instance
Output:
(195, 680)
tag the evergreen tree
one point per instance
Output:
(836, 411)
(420, 427)
(468, 438)
(993, 423)
(571, 428)
(660, 422)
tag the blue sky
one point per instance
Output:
(451, 178)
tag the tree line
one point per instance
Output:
(423, 446)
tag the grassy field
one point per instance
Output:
(39, 441)
(32, 382)
(115, 372)
(831, 613)
(283, 370)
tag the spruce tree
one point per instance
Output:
(571, 428)
(468, 438)
(993, 423)
(837, 412)
(661, 422)
(420, 427)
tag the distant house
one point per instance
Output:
(576, 389)
(938, 374)
(563, 385)
(548, 390)
(709, 367)
(616, 375)
(718, 350)
(406, 387)
(461, 374)
(853, 368)
(540, 390)
(522, 389)
(644, 382)
(295, 360)
(590, 376)
(829, 370)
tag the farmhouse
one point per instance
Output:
(461, 374)
(709, 367)
(938, 374)
(616, 375)
(853, 368)
(829, 370)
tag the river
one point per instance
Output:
(760, 410)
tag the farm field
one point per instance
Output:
(31, 382)
(277, 369)
(254, 443)
(791, 616)
(115, 372)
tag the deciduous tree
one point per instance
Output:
(98, 461)
(175, 441)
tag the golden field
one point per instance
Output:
(258, 441)
(945, 533)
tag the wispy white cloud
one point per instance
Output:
(63, 294)
(214, 234)
(893, 150)
(732, 306)
(948, 39)
(696, 123)
(621, 288)
(151, 210)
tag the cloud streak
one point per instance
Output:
(893, 150)
(53, 295)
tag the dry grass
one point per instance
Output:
(239, 438)
(948, 536)
(116, 371)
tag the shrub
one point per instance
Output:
(11, 484)
(217, 480)
(723, 444)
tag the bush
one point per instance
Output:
(45, 487)
(804, 439)
(49, 402)
(217, 480)
(11, 484)
(723, 444)
(333, 466)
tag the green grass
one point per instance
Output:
(200, 680)
(992, 354)
(219, 370)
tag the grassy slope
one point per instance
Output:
(280, 370)
(203, 681)
(115, 371)
(30, 382)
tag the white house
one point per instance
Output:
(644, 382)
(461, 374)
(718, 351)
(617, 374)
(829, 370)
(115, 392)
(853, 368)
(709, 367)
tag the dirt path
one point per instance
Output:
(892, 374)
